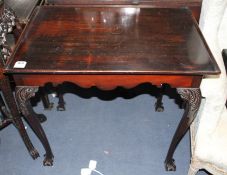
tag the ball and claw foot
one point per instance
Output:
(34, 153)
(42, 118)
(170, 165)
(159, 107)
(50, 106)
(48, 161)
(61, 107)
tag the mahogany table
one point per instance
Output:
(108, 47)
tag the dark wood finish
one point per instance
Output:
(108, 82)
(61, 102)
(15, 116)
(23, 94)
(159, 104)
(194, 5)
(192, 99)
(113, 41)
(109, 47)
(7, 22)
(45, 99)
(22, 11)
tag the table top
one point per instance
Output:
(112, 40)
(111, 2)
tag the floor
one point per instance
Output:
(124, 135)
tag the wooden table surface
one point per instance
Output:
(73, 40)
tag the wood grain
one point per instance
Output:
(68, 40)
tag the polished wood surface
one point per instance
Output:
(68, 40)
(194, 5)
(174, 3)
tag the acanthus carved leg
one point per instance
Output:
(23, 94)
(192, 98)
(15, 116)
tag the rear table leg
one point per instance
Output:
(45, 99)
(159, 104)
(61, 102)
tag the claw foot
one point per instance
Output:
(50, 106)
(34, 153)
(170, 165)
(61, 107)
(42, 118)
(48, 161)
(159, 107)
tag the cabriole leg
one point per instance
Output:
(23, 94)
(15, 116)
(192, 98)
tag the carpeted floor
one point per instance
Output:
(124, 136)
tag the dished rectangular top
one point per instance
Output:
(73, 40)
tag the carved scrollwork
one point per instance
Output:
(192, 96)
(24, 93)
(7, 22)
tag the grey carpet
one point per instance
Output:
(125, 137)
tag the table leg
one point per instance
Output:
(192, 98)
(61, 102)
(15, 115)
(159, 104)
(45, 99)
(23, 94)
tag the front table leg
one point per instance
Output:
(192, 98)
(23, 94)
(10, 101)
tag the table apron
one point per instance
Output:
(108, 82)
